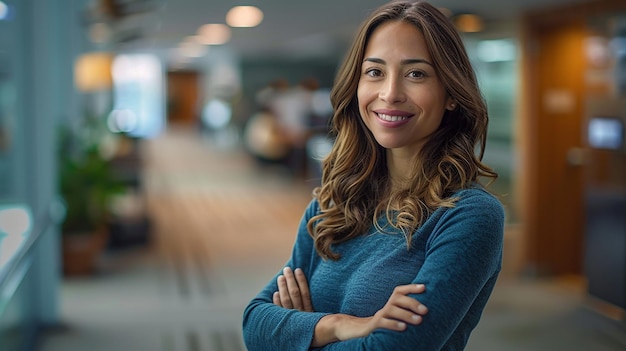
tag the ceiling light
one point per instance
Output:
(191, 48)
(244, 16)
(214, 34)
(469, 23)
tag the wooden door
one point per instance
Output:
(552, 119)
(554, 203)
(183, 104)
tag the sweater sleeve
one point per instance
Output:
(462, 260)
(270, 327)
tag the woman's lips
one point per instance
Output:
(391, 118)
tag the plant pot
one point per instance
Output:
(81, 252)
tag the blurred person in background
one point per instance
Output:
(401, 245)
(263, 136)
(294, 109)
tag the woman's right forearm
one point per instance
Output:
(399, 311)
(339, 327)
(325, 331)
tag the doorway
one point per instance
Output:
(183, 102)
(552, 135)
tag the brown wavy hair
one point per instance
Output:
(355, 190)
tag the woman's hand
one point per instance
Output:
(399, 311)
(293, 291)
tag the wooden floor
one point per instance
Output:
(214, 207)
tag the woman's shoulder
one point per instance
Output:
(475, 209)
(312, 209)
(475, 195)
(475, 201)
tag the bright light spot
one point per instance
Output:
(122, 121)
(244, 16)
(192, 48)
(92, 71)
(318, 147)
(216, 114)
(606, 133)
(15, 221)
(138, 91)
(132, 68)
(214, 34)
(4, 11)
(499, 50)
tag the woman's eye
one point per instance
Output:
(373, 72)
(417, 74)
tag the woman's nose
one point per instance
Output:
(392, 91)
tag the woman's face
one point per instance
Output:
(401, 99)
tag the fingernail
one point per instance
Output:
(415, 317)
(401, 325)
(422, 309)
(419, 286)
(286, 269)
(298, 270)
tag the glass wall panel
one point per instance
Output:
(496, 65)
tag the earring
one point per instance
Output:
(452, 106)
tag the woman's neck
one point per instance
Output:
(400, 168)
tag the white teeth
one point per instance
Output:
(389, 118)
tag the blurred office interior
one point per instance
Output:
(185, 144)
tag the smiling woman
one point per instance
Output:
(376, 262)
(401, 99)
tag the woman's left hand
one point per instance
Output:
(293, 291)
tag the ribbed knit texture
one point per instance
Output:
(456, 253)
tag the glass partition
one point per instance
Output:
(496, 64)
(9, 150)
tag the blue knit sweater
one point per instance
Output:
(456, 253)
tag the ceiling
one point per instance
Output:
(289, 28)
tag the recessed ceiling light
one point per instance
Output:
(214, 34)
(244, 16)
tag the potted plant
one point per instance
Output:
(87, 186)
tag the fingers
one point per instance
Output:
(283, 292)
(396, 318)
(304, 290)
(276, 299)
(293, 291)
(401, 309)
(399, 298)
(410, 289)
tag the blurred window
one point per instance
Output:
(138, 95)
(496, 64)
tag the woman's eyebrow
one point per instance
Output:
(403, 62)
